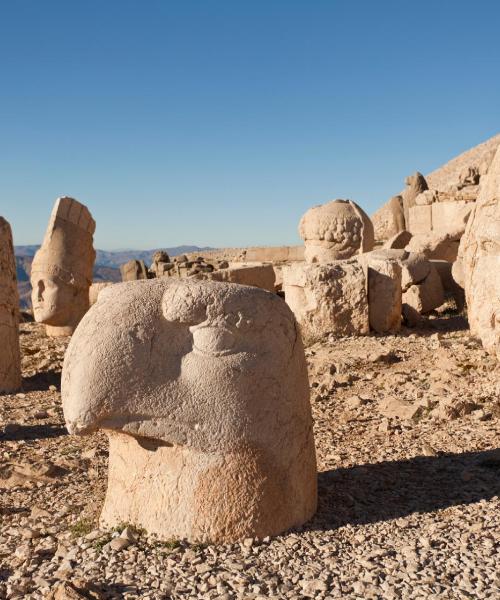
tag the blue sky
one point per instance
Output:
(220, 122)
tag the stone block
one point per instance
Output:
(330, 298)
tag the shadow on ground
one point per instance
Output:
(31, 432)
(42, 381)
(390, 490)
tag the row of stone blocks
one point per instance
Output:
(371, 292)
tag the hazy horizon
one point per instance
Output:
(224, 122)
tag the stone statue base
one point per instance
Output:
(176, 492)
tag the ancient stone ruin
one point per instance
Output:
(336, 230)
(436, 207)
(327, 298)
(61, 273)
(133, 270)
(10, 359)
(203, 391)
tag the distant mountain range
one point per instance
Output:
(115, 258)
(106, 266)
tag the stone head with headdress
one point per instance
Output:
(61, 273)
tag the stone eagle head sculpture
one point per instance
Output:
(202, 388)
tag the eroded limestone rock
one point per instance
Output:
(337, 230)
(384, 294)
(96, 289)
(133, 270)
(328, 298)
(389, 219)
(202, 388)
(61, 273)
(10, 359)
(477, 268)
(261, 276)
(415, 185)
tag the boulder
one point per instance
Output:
(389, 219)
(399, 241)
(133, 270)
(477, 268)
(428, 294)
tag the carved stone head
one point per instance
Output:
(61, 273)
(204, 383)
(334, 231)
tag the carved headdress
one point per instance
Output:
(67, 251)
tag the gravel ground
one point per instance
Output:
(407, 433)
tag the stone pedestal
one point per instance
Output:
(176, 492)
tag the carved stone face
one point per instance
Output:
(202, 364)
(55, 302)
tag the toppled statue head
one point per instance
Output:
(202, 388)
(61, 273)
(334, 231)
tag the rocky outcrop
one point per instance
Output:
(477, 268)
(444, 203)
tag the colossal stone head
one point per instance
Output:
(336, 230)
(61, 273)
(200, 383)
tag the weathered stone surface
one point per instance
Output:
(133, 270)
(327, 298)
(415, 269)
(334, 231)
(426, 295)
(274, 254)
(450, 286)
(96, 289)
(161, 264)
(398, 241)
(203, 390)
(451, 217)
(384, 295)
(261, 276)
(61, 273)
(437, 246)
(420, 219)
(450, 183)
(389, 219)
(10, 360)
(415, 185)
(478, 265)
